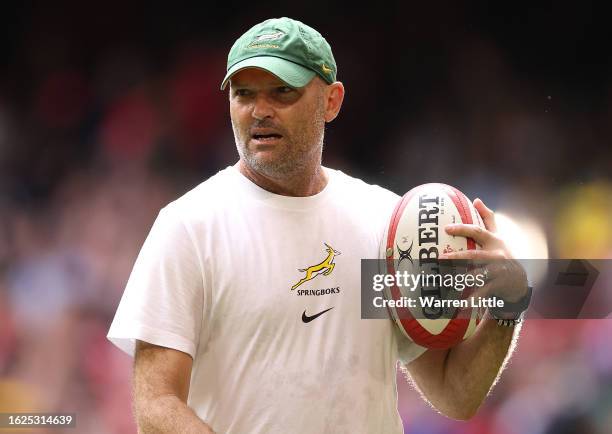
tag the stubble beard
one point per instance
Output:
(303, 152)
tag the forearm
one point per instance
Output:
(168, 414)
(472, 367)
(456, 381)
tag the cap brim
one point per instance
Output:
(291, 73)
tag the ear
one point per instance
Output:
(334, 94)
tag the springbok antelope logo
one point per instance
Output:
(325, 267)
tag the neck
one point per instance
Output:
(306, 183)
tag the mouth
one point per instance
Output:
(266, 139)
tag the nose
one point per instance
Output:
(262, 108)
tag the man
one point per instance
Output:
(243, 307)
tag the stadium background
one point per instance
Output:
(109, 110)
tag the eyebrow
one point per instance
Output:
(270, 84)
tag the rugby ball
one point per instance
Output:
(413, 240)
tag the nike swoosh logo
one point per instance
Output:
(306, 319)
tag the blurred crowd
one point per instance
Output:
(93, 142)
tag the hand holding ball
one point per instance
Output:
(413, 242)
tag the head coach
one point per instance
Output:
(242, 310)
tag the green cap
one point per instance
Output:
(287, 48)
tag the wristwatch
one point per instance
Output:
(512, 313)
(509, 322)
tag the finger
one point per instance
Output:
(481, 273)
(480, 277)
(483, 292)
(501, 281)
(480, 291)
(478, 256)
(487, 215)
(488, 290)
(480, 235)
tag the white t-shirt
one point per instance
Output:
(214, 279)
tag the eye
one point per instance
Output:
(242, 92)
(284, 89)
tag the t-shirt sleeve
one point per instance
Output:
(164, 298)
(407, 350)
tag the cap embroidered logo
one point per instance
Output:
(269, 37)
